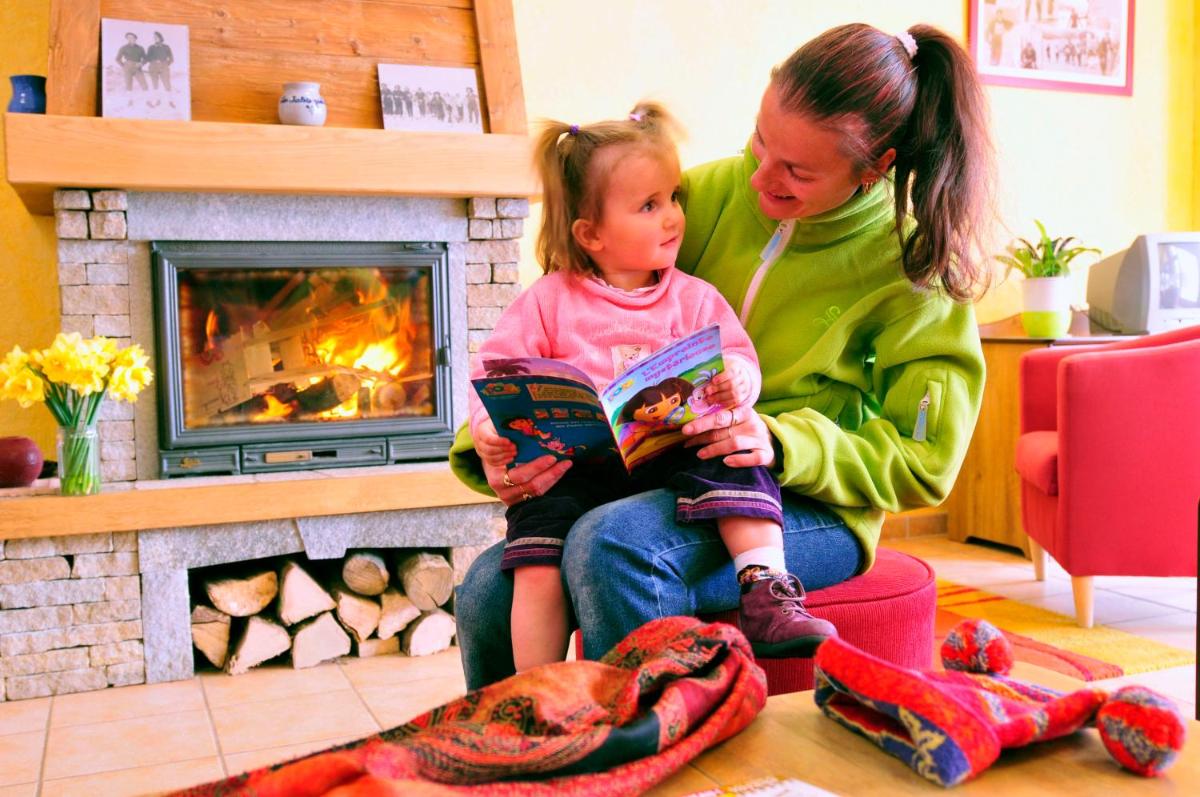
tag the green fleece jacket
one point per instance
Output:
(850, 351)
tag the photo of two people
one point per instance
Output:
(144, 70)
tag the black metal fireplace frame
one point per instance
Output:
(298, 445)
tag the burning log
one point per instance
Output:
(319, 640)
(210, 634)
(390, 396)
(365, 572)
(427, 579)
(242, 597)
(262, 639)
(328, 393)
(397, 612)
(358, 614)
(430, 633)
(300, 596)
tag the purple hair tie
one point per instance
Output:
(573, 130)
(636, 116)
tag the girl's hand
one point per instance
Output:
(723, 433)
(491, 447)
(730, 388)
(522, 482)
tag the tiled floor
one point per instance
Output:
(153, 738)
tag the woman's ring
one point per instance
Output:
(507, 481)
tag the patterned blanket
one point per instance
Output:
(618, 726)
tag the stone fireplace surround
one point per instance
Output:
(84, 612)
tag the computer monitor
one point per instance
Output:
(1152, 286)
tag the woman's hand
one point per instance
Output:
(730, 388)
(522, 482)
(725, 432)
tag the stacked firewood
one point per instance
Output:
(375, 603)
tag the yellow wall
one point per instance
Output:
(1097, 167)
(28, 275)
(1101, 168)
(1190, 64)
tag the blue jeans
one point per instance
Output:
(628, 562)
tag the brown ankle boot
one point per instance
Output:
(773, 618)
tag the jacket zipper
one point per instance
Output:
(770, 253)
(920, 429)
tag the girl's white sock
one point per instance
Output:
(768, 556)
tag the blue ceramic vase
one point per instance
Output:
(28, 94)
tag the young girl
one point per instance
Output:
(611, 230)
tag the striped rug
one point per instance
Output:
(1054, 641)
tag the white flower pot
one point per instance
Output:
(1046, 306)
(302, 104)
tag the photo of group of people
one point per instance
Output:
(1081, 44)
(429, 98)
(144, 70)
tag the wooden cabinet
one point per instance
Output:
(986, 501)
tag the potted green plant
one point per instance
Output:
(1045, 291)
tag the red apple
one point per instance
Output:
(20, 461)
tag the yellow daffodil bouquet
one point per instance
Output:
(72, 377)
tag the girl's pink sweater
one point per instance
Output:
(590, 325)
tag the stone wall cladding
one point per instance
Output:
(70, 615)
(494, 227)
(93, 278)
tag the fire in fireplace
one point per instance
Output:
(285, 356)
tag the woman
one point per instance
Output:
(856, 294)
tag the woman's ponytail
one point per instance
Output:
(944, 168)
(917, 93)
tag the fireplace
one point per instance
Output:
(279, 356)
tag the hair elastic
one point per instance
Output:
(573, 130)
(636, 116)
(910, 44)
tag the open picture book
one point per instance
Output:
(549, 407)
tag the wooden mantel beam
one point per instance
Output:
(241, 500)
(43, 153)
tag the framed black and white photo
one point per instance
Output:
(437, 98)
(144, 70)
(1068, 45)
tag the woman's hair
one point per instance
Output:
(574, 178)
(930, 107)
(670, 386)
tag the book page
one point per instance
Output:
(649, 403)
(545, 407)
(767, 787)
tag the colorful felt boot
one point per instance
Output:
(773, 618)
(950, 726)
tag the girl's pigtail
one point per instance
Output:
(656, 121)
(555, 242)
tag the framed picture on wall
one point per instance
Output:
(144, 71)
(1069, 45)
(439, 98)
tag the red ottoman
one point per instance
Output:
(887, 612)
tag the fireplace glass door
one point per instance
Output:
(316, 344)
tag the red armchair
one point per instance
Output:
(1109, 458)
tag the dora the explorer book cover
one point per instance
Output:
(549, 407)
